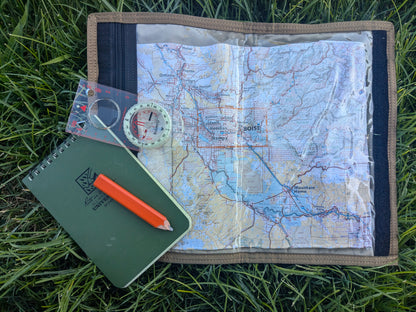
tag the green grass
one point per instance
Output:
(42, 57)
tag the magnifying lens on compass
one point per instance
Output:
(107, 111)
(147, 125)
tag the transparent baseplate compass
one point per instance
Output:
(138, 123)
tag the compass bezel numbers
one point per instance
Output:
(162, 114)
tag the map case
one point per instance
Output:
(281, 139)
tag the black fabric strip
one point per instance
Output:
(381, 164)
(116, 45)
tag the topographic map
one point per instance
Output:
(269, 146)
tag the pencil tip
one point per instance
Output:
(166, 226)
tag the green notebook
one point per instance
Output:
(121, 244)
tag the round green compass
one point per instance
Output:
(147, 125)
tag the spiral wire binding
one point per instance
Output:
(54, 155)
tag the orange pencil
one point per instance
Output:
(131, 202)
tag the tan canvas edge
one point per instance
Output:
(92, 53)
(282, 258)
(391, 144)
(277, 28)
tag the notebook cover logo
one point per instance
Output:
(86, 180)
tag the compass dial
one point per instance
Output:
(147, 125)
